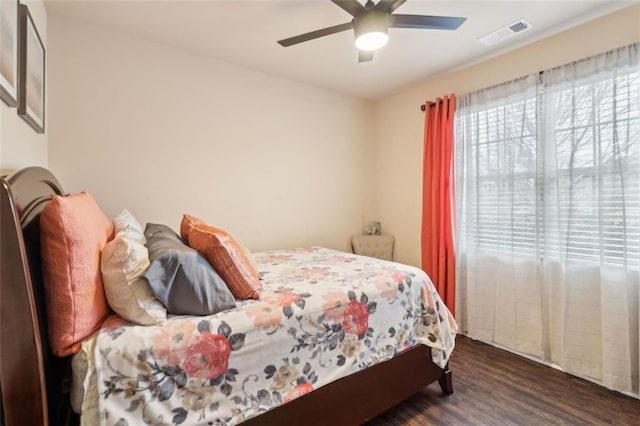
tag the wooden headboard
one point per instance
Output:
(31, 377)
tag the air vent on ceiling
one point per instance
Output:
(504, 33)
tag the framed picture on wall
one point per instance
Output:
(31, 84)
(9, 51)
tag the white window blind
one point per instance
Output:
(593, 131)
(505, 160)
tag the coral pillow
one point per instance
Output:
(73, 232)
(228, 257)
(187, 222)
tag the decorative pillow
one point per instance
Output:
(228, 257)
(188, 221)
(126, 223)
(124, 260)
(181, 278)
(252, 259)
(73, 232)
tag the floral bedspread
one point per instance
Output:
(322, 315)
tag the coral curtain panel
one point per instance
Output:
(438, 254)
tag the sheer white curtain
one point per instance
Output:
(498, 287)
(548, 185)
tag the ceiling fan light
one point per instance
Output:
(372, 41)
(371, 30)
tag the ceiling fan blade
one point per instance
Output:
(315, 34)
(352, 7)
(364, 56)
(428, 22)
(389, 6)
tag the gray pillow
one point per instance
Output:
(183, 280)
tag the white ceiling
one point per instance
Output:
(245, 32)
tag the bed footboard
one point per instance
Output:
(363, 395)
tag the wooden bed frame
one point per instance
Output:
(35, 383)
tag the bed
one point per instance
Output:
(36, 384)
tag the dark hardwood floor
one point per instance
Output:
(495, 387)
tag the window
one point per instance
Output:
(550, 165)
(594, 134)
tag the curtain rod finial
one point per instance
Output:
(422, 107)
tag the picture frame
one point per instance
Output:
(9, 54)
(32, 73)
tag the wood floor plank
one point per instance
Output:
(495, 387)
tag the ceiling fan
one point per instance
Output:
(371, 23)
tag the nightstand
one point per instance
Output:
(380, 246)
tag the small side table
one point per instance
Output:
(380, 246)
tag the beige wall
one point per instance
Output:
(399, 121)
(20, 145)
(161, 131)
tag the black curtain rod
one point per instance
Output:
(432, 104)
